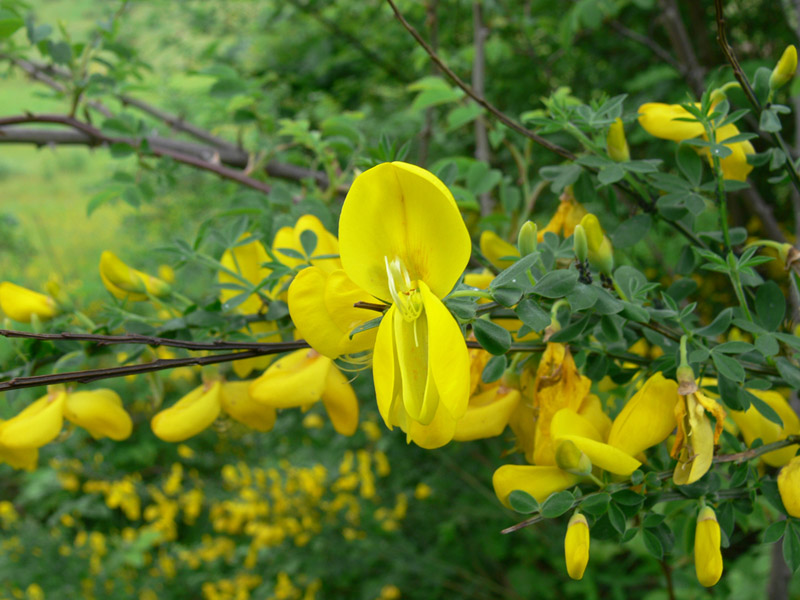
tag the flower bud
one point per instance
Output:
(576, 546)
(570, 458)
(784, 70)
(600, 253)
(100, 412)
(579, 243)
(22, 304)
(527, 240)
(190, 415)
(616, 143)
(126, 283)
(789, 486)
(707, 555)
(38, 424)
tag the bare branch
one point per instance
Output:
(499, 115)
(479, 85)
(679, 38)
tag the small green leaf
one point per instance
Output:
(491, 336)
(734, 348)
(770, 305)
(507, 296)
(791, 546)
(728, 367)
(631, 230)
(652, 544)
(494, 369)
(596, 504)
(627, 498)
(616, 517)
(372, 323)
(522, 502)
(765, 409)
(308, 240)
(557, 504)
(788, 371)
(532, 314)
(556, 284)
(769, 121)
(689, 163)
(774, 532)
(610, 174)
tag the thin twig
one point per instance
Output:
(499, 115)
(100, 138)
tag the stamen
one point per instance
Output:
(404, 294)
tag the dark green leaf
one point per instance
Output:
(372, 323)
(523, 502)
(765, 409)
(631, 231)
(616, 517)
(774, 532)
(652, 544)
(734, 347)
(770, 305)
(494, 369)
(788, 371)
(308, 240)
(791, 546)
(769, 121)
(627, 498)
(690, 164)
(532, 315)
(596, 504)
(610, 174)
(557, 504)
(556, 284)
(507, 296)
(491, 336)
(571, 331)
(728, 367)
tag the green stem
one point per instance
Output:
(739, 290)
(470, 294)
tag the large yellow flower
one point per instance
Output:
(659, 120)
(402, 240)
(22, 304)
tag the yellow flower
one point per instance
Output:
(754, 425)
(659, 120)
(246, 261)
(576, 546)
(126, 283)
(496, 249)
(558, 385)
(190, 415)
(100, 412)
(568, 214)
(402, 239)
(695, 440)
(707, 555)
(304, 377)
(538, 481)
(19, 458)
(789, 486)
(38, 424)
(648, 418)
(240, 405)
(21, 304)
(785, 69)
(616, 143)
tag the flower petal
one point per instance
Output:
(658, 120)
(538, 481)
(754, 425)
(487, 415)
(340, 402)
(190, 415)
(20, 304)
(99, 412)
(385, 370)
(246, 261)
(604, 456)
(239, 405)
(397, 210)
(38, 424)
(294, 380)
(321, 306)
(289, 237)
(648, 418)
(435, 434)
(495, 248)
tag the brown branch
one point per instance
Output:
(499, 115)
(135, 338)
(479, 34)
(157, 365)
(98, 137)
(679, 38)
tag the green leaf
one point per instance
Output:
(494, 369)
(60, 52)
(582, 297)
(596, 504)
(491, 336)
(631, 231)
(517, 274)
(719, 325)
(788, 371)
(507, 296)
(791, 546)
(557, 504)
(769, 121)
(627, 498)
(461, 115)
(365, 326)
(734, 348)
(522, 502)
(770, 305)
(616, 517)
(767, 344)
(774, 532)
(728, 367)
(561, 176)
(9, 26)
(765, 409)
(308, 240)
(689, 163)
(436, 97)
(572, 331)
(652, 544)
(532, 315)
(556, 284)
(610, 174)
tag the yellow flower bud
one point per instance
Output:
(190, 415)
(579, 243)
(100, 412)
(528, 238)
(570, 458)
(576, 546)
(126, 283)
(785, 69)
(600, 253)
(789, 486)
(707, 555)
(21, 304)
(616, 143)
